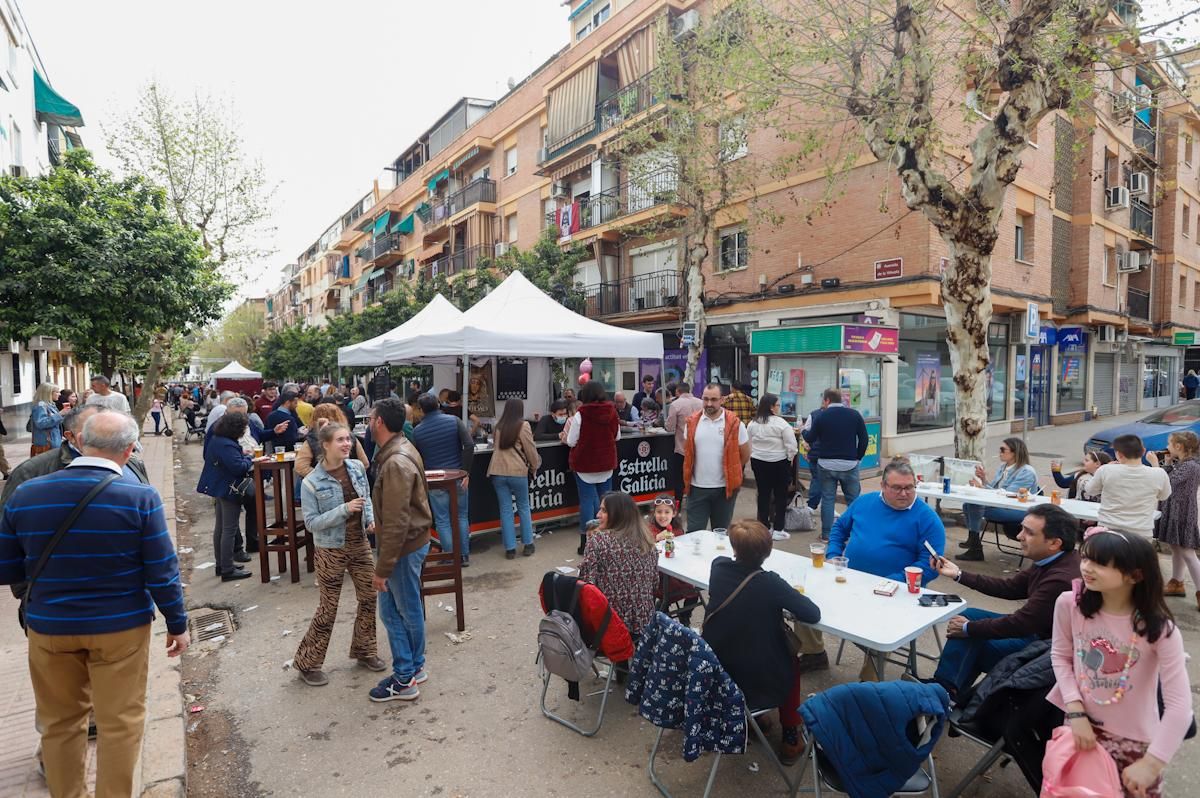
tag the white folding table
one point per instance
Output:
(991, 497)
(850, 610)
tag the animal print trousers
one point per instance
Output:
(332, 565)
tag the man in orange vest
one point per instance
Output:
(715, 453)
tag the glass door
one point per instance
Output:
(1159, 380)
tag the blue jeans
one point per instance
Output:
(829, 485)
(509, 489)
(814, 483)
(157, 416)
(964, 658)
(976, 514)
(403, 615)
(439, 503)
(589, 499)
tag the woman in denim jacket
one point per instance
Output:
(45, 422)
(336, 499)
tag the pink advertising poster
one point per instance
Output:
(796, 381)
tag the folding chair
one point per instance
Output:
(825, 775)
(604, 692)
(1018, 724)
(195, 428)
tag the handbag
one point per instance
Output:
(789, 633)
(799, 517)
(52, 544)
(243, 488)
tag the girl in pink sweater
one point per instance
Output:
(1114, 641)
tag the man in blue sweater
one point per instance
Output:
(883, 533)
(840, 434)
(445, 443)
(90, 611)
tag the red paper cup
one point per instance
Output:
(912, 575)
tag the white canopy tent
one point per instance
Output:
(235, 371)
(434, 334)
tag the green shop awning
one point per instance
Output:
(381, 224)
(366, 277)
(579, 10)
(439, 177)
(404, 226)
(50, 105)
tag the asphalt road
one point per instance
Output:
(476, 730)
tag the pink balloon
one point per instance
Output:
(583, 378)
(586, 366)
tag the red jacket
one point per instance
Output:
(617, 645)
(597, 447)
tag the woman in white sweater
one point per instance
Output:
(772, 449)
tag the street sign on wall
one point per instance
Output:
(1032, 322)
(889, 269)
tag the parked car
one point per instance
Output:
(1153, 429)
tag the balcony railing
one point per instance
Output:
(380, 247)
(473, 193)
(1144, 138)
(626, 103)
(58, 147)
(457, 262)
(640, 292)
(656, 188)
(1139, 304)
(1141, 218)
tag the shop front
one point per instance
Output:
(1071, 375)
(801, 362)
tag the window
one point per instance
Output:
(735, 253)
(18, 152)
(1019, 240)
(16, 373)
(510, 161)
(1110, 266)
(1187, 149)
(589, 22)
(1112, 170)
(1196, 295)
(549, 206)
(510, 227)
(1182, 298)
(734, 140)
(1187, 220)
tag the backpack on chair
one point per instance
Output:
(561, 649)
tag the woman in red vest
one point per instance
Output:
(592, 436)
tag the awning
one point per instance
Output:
(366, 277)
(573, 165)
(381, 224)
(50, 105)
(439, 177)
(579, 10)
(572, 112)
(430, 252)
(405, 225)
(635, 56)
(468, 155)
(375, 275)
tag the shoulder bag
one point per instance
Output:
(52, 544)
(789, 634)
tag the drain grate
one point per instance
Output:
(209, 624)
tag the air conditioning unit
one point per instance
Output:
(1122, 104)
(1128, 262)
(1145, 258)
(1108, 334)
(1139, 183)
(18, 171)
(560, 189)
(1116, 197)
(1142, 97)
(685, 23)
(501, 248)
(1016, 329)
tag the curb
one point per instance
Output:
(162, 769)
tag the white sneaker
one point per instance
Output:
(779, 534)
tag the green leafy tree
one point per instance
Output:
(238, 336)
(100, 262)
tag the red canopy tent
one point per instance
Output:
(237, 378)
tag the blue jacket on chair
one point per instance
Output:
(678, 683)
(864, 730)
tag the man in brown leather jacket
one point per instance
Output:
(402, 522)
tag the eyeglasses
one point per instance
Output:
(667, 500)
(900, 488)
(1004, 448)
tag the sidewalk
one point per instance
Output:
(163, 767)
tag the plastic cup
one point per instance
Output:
(839, 563)
(258, 451)
(817, 550)
(800, 582)
(912, 575)
(1022, 494)
(279, 455)
(721, 532)
(1056, 465)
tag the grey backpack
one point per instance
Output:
(560, 644)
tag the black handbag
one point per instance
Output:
(243, 488)
(59, 534)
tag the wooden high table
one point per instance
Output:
(287, 522)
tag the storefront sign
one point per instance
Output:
(870, 339)
(675, 362)
(512, 378)
(889, 269)
(928, 388)
(1032, 322)
(1185, 339)
(1072, 339)
(871, 458)
(1047, 336)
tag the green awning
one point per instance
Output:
(361, 281)
(405, 225)
(375, 274)
(50, 105)
(381, 224)
(579, 10)
(439, 177)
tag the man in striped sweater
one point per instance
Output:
(90, 613)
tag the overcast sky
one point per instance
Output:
(327, 93)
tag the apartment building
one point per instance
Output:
(37, 126)
(1093, 233)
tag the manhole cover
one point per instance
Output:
(208, 624)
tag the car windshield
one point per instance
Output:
(1179, 416)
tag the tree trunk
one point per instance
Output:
(696, 253)
(159, 352)
(967, 300)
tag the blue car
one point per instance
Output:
(1153, 429)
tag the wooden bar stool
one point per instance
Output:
(442, 571)
(287, 523)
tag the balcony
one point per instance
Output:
(462, 261)
(434, 215)
(633, 196)
(1144, 138)
(382, 251)
(641, 292)
(1141, 218)
(626, 103)
(1138, 303)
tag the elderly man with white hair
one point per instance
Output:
(218, 410)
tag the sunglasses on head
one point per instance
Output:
(667, 500)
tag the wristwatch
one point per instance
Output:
(1075, 715)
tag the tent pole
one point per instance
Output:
(466, 391)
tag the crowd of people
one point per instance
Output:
(1092, 596)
